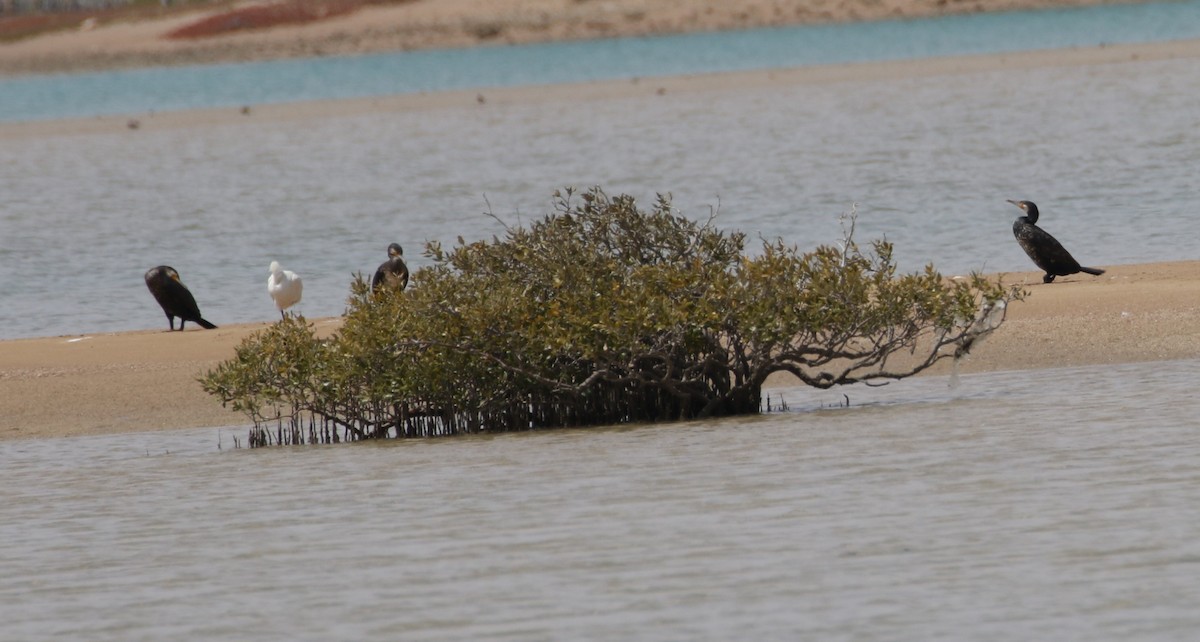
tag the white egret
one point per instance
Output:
(285, 287)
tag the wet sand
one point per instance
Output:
(135, 381)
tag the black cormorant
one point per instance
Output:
(1047, 253)
(174, 297)
(392, 272)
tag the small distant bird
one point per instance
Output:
(174, 297)
(285, 287)
(393, 272)
(1047, 253)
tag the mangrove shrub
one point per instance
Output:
(599, 313)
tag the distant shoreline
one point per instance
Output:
(609, 89)
(146, 380)
(113, 41)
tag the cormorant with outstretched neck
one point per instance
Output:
(174, 297)
(1047, 253)
(393, 272)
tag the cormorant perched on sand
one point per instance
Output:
(1047, 253)
(174, 297)
(285, 287)
(393, 272)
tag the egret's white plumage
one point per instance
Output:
(284, 286)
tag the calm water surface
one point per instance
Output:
(1109, 152)
(142, 90)
(1056, 503)
(1006, 507)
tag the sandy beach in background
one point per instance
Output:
(137, 381)
(612, 89)
(106, 42)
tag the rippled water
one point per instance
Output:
(1007, 507)
(1109, 152)
(1013, 506)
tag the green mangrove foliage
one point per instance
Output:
(600, 313)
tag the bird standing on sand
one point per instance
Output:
(285, 287)
(1047, 253)
(393, 272)
(174, 297)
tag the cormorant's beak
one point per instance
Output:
(1013, 202)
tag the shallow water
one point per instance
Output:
(1108, 152)
(1004, 507)
(231, 85)
(1011, 505)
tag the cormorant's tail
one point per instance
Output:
(1092, 271)
(206, 325)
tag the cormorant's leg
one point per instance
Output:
(1049, 278)
(181, 322)
(283, 315)
(170, 323)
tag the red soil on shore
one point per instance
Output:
(290, 12)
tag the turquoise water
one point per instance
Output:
(144, 90)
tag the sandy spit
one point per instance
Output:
(610, 90)
(147, 380)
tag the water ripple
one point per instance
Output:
(1012, 504)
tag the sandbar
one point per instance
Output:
(147, 380)
(697, 84)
